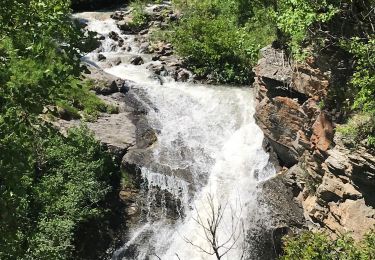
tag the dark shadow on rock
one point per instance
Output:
(279, 215)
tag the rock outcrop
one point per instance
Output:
(333, 184)
(278, 214)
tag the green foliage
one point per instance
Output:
(59, 187)
(49, 184)
(139, 16)
(310, 246)
(363, 79)
(215, 40)
(79, 97)
(309, 27)
(296, 17)
(126, 180)
(362, 125)
(358, 128)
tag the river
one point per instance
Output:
(208, 140)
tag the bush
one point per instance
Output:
(139, 16)
(215, 43)
(310, 246)
(359, 129)
(58, 188)
(49, 184)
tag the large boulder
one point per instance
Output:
(283, 121)
(137, 60)
(280, 214)
(104, 83)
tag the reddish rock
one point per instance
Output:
(282, 120)
(309, 81)
(322, 133)
(334, 185)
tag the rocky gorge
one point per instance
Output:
(321, 183)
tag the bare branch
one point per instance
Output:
(212, 224)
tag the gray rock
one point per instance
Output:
(104, 83)
(124, 26)
(274, 65)
(144, 48)
(118, 15)
(143, 32)
(114, 36)
(117, 131)
(156, 68)
(136, 60)
(182, 75)
(282, 215)
(117, 61)
(101, 57)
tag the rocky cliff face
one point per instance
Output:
(333, 184)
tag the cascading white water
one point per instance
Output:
(208, 139)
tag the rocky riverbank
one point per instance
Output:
(125, 131)
(322, 184)
(332, 183)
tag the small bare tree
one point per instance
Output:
(210, 224)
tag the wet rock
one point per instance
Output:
(156, 68)
(114, 36)
(282, 215)
(182, 75)
(119, 15)
(104, 83)
(121, 42)
(117, 61)
(125, 26)
(101, 57)
(127, 48)
(155, 58)
(144, 48)
(136, 60)
(143, 32)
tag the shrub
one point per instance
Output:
(49, 184)
(310, 246)
(214, 42)
(48, 196)
(359, 128)
(139, 16)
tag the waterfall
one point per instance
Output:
(212, 148)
